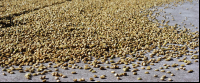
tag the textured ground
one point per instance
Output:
(180, 76)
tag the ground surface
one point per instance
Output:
(180, 75)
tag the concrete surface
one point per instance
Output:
(180, 75)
